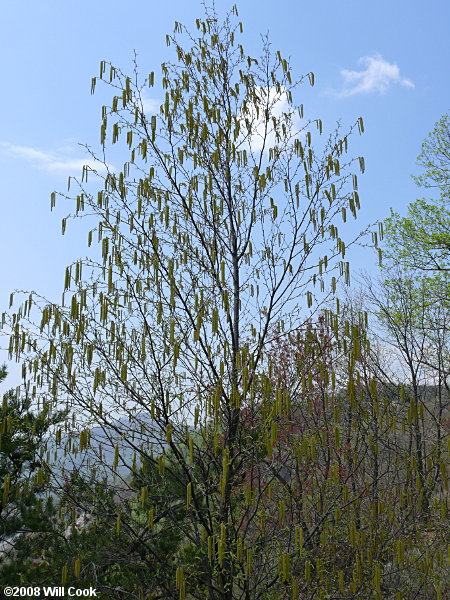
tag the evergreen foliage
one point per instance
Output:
(25, 507)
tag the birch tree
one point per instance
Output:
(221, 233)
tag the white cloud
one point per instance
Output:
(377, 76)
(151, 105)
(58, 161)
(278, 104)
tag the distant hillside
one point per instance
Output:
(66, 456)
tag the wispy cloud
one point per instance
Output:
(151, 105)
(278, 103)
(57, 161)
(376, 78)
(257, 137)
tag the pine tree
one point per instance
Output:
(25, 506)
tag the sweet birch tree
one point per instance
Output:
(219, 235)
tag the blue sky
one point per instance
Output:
(387, 61)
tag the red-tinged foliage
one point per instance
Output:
(292, 418)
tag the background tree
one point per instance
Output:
(413, 300)
(25, 506)
(399, 441)
(421, 240)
